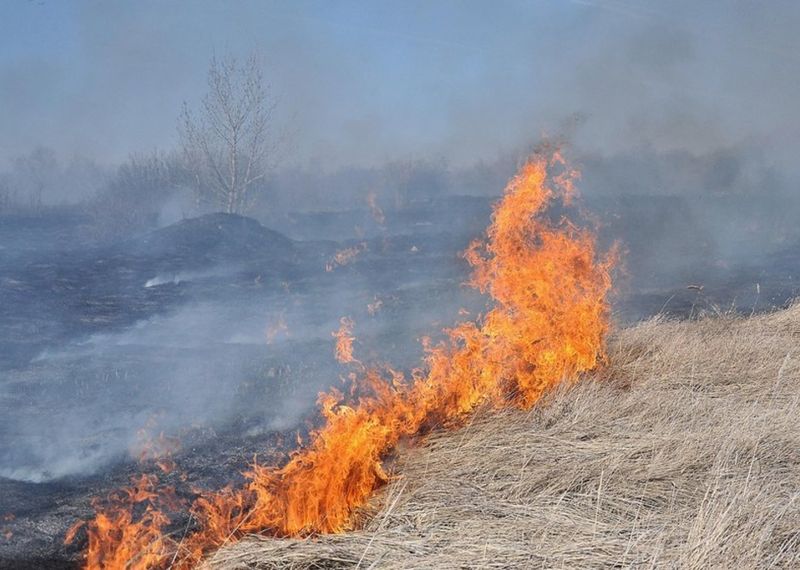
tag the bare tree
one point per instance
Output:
(231, 145)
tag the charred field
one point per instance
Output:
(262, 308)
(216, 331)
(323, 285)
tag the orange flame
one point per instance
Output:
(344, 341)
(157, 449)
(345, 256)
(546, 325)
(139, 542)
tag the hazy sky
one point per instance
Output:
(361, 82)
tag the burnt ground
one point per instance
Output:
(217, 330)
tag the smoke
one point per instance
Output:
(245, 352)
(682, 118)
(191, 369)
(410, 80)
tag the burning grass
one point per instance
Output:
(546, 323)
(685, 454)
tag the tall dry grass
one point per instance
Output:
(683, 453)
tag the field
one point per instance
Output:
(318, 285)
(684, 452)
(217, 330)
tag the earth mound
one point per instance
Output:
(219, 236)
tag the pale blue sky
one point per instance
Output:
(362, 82)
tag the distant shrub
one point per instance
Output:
(134, 198)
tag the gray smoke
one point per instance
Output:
(682, 117)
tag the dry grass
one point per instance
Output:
(685, 455)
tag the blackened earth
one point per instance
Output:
(216, 330)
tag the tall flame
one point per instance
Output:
(546, 324)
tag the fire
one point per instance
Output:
(546, 324)
(139, 541)
(345, 256)
(157, 449)
(7, 518)
(344, 341)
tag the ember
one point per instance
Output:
(7, 518)
(345, 256)
(344, 341)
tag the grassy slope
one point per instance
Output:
(685, 454)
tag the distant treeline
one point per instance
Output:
(153, 189)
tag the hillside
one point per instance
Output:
(684, 452)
